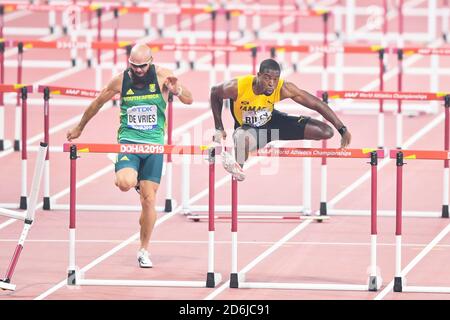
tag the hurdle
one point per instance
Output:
(27, 217)
(351, 11)
(23, 90)
(74, 277)
(403, 96)
(237, 280)
(48, 203)
(399, 279)
(435, 72)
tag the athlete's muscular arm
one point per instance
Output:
(107, 93)
(226, 90)
(290, 90)
(171, 83)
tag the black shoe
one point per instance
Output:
(137, 188)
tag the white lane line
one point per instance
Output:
(227, 242)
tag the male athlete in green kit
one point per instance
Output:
(144, 89)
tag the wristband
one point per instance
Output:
(179, 91)
(342, 130)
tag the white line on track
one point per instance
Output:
(227, 242)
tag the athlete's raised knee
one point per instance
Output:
(125, 184)
(327, 132)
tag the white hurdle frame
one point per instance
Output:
(75, 277)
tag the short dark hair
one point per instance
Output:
(269, 64)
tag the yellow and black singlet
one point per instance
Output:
(251, 109)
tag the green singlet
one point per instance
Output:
(142, 111)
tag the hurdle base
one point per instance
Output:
(89, 63)
(323, 209)
(74, 62)
(16, 145)
(191, 65)
(234, 280)
(141, 283)
(46, 205)
(398, 287)
(23, 202)
(71, 278)
(52, 30)
(373, 283)
(212, 279)
(2, 146)
(168, 205)
(445, 211)
(5, 285)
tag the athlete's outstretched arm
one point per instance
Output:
(170, 81)
(105, 95)
(226, 90)
(290, 90)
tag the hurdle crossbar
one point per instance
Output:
(237, 280)
(74, 276)
(400, 156)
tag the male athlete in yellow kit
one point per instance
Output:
(257, 122)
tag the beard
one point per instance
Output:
(140, 80)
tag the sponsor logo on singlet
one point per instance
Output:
(143, 117)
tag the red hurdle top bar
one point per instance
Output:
(15, 87)
(423, 51)
(109, 45)
(172, 149)
(421, 154)
(377, 95)
(328, 49)
(318, 153)
(177, 47)
(74, 92)
(167, 9)
(135, 148)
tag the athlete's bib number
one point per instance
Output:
(256, 118)
(142, 117)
